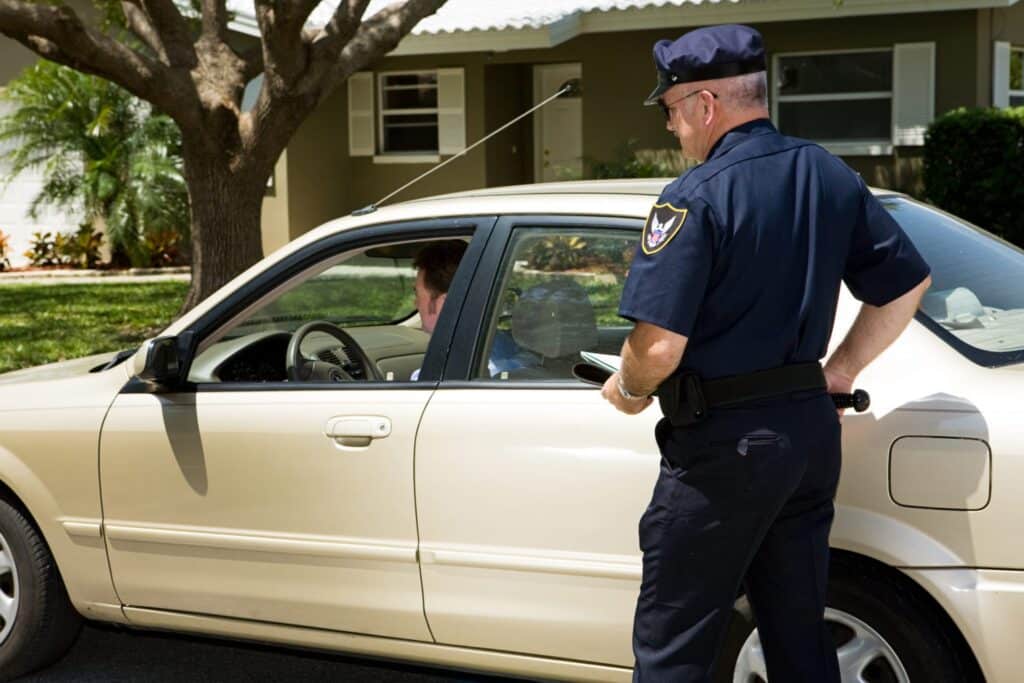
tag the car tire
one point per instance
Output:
(43, 624)
(869, 607)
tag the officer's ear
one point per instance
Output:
(708, 100)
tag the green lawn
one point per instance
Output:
(45, 323)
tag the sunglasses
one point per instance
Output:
(667, 108)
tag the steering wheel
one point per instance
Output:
(302, 369)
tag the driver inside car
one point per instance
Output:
(435, 266)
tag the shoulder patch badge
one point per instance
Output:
(662, 225)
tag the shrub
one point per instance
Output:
(43, 250)
(80, 249)
(165, 248)
(630, 162)
(973, 166)
(559, 253)
(5, 251)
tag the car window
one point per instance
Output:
(558, 294)
(366, 288)
(975, 297)
(356, 315)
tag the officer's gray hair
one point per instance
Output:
(748, 90)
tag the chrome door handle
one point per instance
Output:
(356, 431)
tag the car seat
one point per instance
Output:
(555, 321)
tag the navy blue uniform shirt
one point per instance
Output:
(744, 254)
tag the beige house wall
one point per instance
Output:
(319, 170)
(312, 179)
(371, 179)
(275, 225)
(14, 58)
(1008, 24)
(996, 25)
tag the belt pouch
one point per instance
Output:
(682, 399)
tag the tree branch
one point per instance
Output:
(338, 31)
(57, 33)
(215, 19)
(173, 30)
(141, 26)
(285, 56)
(295, 13)
(267, 128)
(375, 37)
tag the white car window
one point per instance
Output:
(559, 295)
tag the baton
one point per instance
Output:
(859, 400)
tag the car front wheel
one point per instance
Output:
(37, 621)
(884, 633)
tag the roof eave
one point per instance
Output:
(645, 18)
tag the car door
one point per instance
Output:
(283, 501)
(528, 521)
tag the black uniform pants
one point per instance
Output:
(744, 497)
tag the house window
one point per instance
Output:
(408, 112)
(842, 100)
(1017, 77)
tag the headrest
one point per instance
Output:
(554, 319)
(951, 304)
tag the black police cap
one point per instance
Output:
(706, 54)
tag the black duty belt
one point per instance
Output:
(685, 398)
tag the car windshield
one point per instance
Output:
(975, 302)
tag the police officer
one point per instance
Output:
(733, 290)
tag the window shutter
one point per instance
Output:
(913, 92)
(361, 142)
(1000, 74)
(451, 111)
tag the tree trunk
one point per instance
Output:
(226, 204)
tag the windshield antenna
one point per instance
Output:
(571, 87)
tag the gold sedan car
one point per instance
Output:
(268, 470)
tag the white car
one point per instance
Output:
(484, 517)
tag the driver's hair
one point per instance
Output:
(438, 261)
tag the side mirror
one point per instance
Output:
(157, 361)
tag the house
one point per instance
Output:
(862, 77)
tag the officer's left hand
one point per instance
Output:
(610, 392)
(838, 383)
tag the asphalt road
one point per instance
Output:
(110, 655)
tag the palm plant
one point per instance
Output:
(102, 152)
